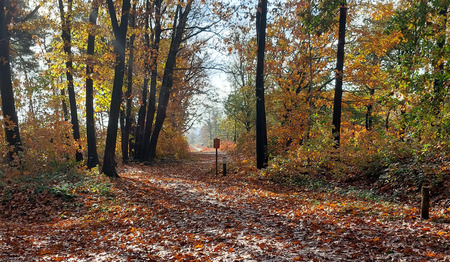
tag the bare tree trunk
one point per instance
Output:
(92, 160)
(402, 131)
(337, 106)
(66, 20)
(128, 95)
(140, 128)
(180, 21)
(122, 126)
(141, 121)
(64, 105)
(120, 33)
(310, 100)
(153, 81)
(6, 89)
(369, 117)
(261, 129)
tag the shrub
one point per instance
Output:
(172, 144)
(48, 146)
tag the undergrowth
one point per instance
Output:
(44, 193)
(372, 168)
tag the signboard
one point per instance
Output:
(216, 143)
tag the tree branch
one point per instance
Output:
(112, 14)
(30, 15)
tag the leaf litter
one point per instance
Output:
(183, 212)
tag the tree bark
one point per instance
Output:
(337, 106)
(128, 95)
(153, 67)
(64, 104)
(120, 33)
(261, 129)
(92, 160)
(369, 117)
(141, 121)
(66, 21)
(122, 125)
(6, 89)
(180, 21)
(140, 128)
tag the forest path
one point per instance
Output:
(183, 212)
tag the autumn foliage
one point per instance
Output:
(394, 60)
(316, 200)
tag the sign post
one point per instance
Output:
(217, 146)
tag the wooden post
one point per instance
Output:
(216, 146)
(224, 162)
(425, 207)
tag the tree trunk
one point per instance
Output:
(64, 105)
(140, 128)
(92, 160)
(6, 89)
(337, 106)
(235, 130)
(310, 100)
(153, 81)
(122, 126)
(441, 77)
(402, 131)
(141, 121)
(369, 120)
(120, 32)
(31, 115)
(167, 82)
(386, 122)
(369, 117)
(66, 20)
(128, 95)
(261, 129)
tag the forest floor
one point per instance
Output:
(182, 211)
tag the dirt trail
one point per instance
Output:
(183, 212)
